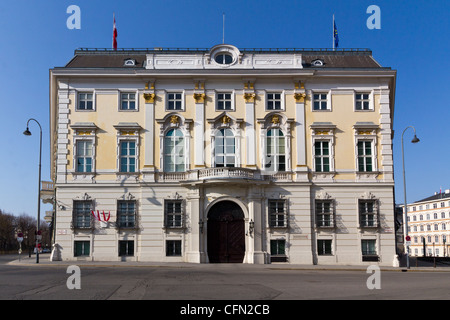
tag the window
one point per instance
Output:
(324, 213)
(126, 213)
(85, 101)
(225, 149)
(274, 101)
(173, 248)
(224, 58)
(82, 248)
(277, 214)
(320, 101)
(368, 247)
(129, 63)
(367, 213)
(443, 226)
(84, 156)
(365, 156)
(275, 151)
(435, 215)
(317, 63)
(224, 101)
(173, 214)
(277, 247)
(82, 214)
(126, 248)
(362, 101)
(324, 247)
(128, 156)
(322, 156)
(174, 101)
(128, 101)
(174, 151)
(442, 215)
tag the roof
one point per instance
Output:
(108, 58)
(436, 196)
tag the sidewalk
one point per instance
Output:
(44, 260)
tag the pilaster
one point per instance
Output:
(149, 135)
(300, 131)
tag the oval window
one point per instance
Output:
(224, 58)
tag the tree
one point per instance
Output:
(10, 225)
(7, 242)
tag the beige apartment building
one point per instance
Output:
(223, 155)
(429, 225)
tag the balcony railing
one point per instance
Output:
(47, 186)
(47, 191)
(228, 173)
(223, 173)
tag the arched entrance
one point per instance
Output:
(226, 233)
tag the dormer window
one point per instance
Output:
(224, 55)
(129, 63)
(224, 58)
(317, 63)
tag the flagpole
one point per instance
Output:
(333, 33)
(114, 21)
(223, 28)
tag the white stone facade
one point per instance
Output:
(263, 205)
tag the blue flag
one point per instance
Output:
(336, 36)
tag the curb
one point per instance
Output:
(115, 264)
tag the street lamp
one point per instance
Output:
(414, 140)
(28, 133)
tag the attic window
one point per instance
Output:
(129, 62)
(317, 63)
(224, 58)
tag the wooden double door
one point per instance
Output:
(226, 233)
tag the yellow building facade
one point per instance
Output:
(224, 155)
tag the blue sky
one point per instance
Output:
(413, 39)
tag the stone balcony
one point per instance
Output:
(223, 174)
(47, 191)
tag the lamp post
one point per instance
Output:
(414, 140)
(28, 133)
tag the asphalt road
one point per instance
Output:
(214, 282)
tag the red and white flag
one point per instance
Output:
(114, 34)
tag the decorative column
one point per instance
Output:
(196, 247)
(199, 125)
(249, 98)
(149, 133)
(301, 168)
(256, 227)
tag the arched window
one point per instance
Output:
(275, 150)
(225, 148)
(174, 151)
